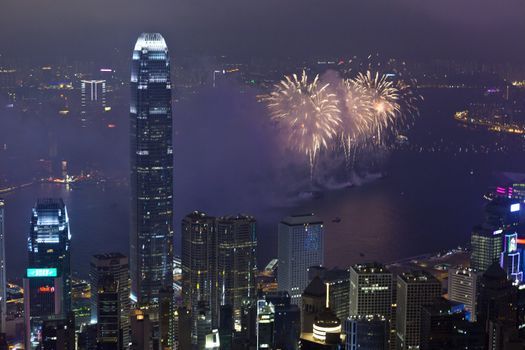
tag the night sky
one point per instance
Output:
(474, 29)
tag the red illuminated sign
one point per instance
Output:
(46, 289)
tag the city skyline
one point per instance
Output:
(262, 176)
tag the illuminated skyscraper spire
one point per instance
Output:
(151, 235)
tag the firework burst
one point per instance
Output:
(384, 97)
(357, 117)
(308, 111)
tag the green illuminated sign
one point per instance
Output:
(50, 272)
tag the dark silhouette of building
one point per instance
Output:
(313, 302)
(287, 320)
(141, 338)
(366, 333)
(444, 325)
(112, 267)
(498, 307)
(109, 331)
(59, 334)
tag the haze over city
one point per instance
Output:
(232, 174)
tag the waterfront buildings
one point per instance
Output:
(300, 245)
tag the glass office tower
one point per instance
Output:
(49, 242)
(151, 235)
(47, 283)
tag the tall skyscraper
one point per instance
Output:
(48, 278)
(151, 235)
(265, 324)
(3, 283)
(92, 100)
(414, 290)
(463, 283)
(487, 246)
(199, 267)
(140, 331)
(370, 290)
(287, 321)
(109, 329)
(49, 242)
(116, 267)
(236, 263)
(43, 301)
(371, 294)
(300, 245)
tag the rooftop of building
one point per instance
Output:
(370, 268)
(49, 204)
(301, 219)
(463, 270)
(418, 276)
(368, 318)
(198, 215)
(109, 256)
(315, 288)
(150, 41)
(238, 217)
(442, 306)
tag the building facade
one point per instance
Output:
(414, 290)
(116, 267)
(487, 246)
(372, 294)
(236, 263)
(199, 268)
(300, 245)
(463, 283)
(49, 242)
